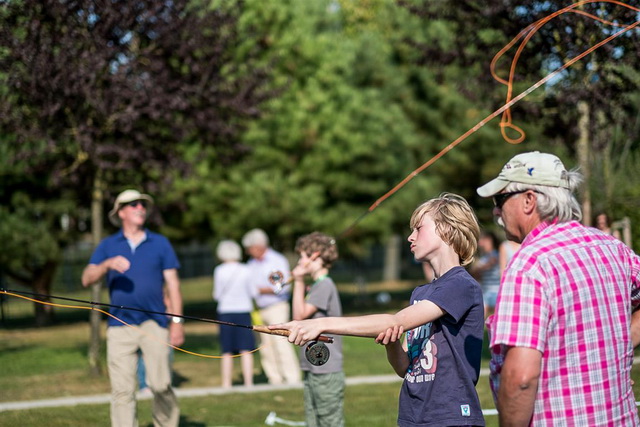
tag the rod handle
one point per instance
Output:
(285, 333)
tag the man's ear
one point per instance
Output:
(530, 203)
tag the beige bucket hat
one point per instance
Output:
(123, 198)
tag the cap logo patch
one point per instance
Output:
(530, 171)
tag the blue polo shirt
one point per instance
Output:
(142, 285)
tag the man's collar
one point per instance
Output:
(120, 234)
(538, 230)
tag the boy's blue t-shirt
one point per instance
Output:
(439, 386)
(142, 285)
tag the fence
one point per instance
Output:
(198, 260)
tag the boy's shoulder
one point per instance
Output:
(327, 282)
(324, 287)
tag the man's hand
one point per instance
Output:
(118, 263)
(176, 334)
(94, 272)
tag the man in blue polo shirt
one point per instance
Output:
(138, 264)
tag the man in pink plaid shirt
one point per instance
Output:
(563, 332)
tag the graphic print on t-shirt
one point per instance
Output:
(423, 354)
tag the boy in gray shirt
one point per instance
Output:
(324, 384)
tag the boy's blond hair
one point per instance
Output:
(318, 242)
(456, 223)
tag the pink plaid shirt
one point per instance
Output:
(569, 293)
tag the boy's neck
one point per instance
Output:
(319, 273)
(445, 263)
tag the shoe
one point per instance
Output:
(145, 392)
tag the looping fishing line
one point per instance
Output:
(528, 33)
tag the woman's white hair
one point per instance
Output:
(555, 202)
(228, 250)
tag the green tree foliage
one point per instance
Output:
(358, 115)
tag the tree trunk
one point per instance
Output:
(42, 285)
(583, 160)
(392, 256)
(97, 210)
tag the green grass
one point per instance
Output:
(365, 405)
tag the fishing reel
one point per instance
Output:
(276, 278)
(317, 353)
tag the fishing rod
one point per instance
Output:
(316, 352)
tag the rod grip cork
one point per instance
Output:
(285, 333)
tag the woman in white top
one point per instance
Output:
(234, 293)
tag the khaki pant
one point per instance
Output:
(324, 399)
(277, 355)
(122, 346)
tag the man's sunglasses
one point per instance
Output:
(501, 198)
(137, 203)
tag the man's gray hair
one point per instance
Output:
(555, 202)
(228, 250)
(255, 237)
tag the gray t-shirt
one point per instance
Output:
(324, 296)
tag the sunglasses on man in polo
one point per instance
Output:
(137, 203)
(501, 198)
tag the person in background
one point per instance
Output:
(487, 269)
(234, 292)
(602, 224)
(138, 264)
(507, 250)
(564, 328)
(323, 385)
(277, 356)
(440, 361)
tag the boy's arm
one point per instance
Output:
(362, 326)
(300, 308)
(397, 357)
(396, 350)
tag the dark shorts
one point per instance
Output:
(236, 339)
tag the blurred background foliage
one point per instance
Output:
(291, 115)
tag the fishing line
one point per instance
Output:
(14, 293)
(313, 347)
(530, 31)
